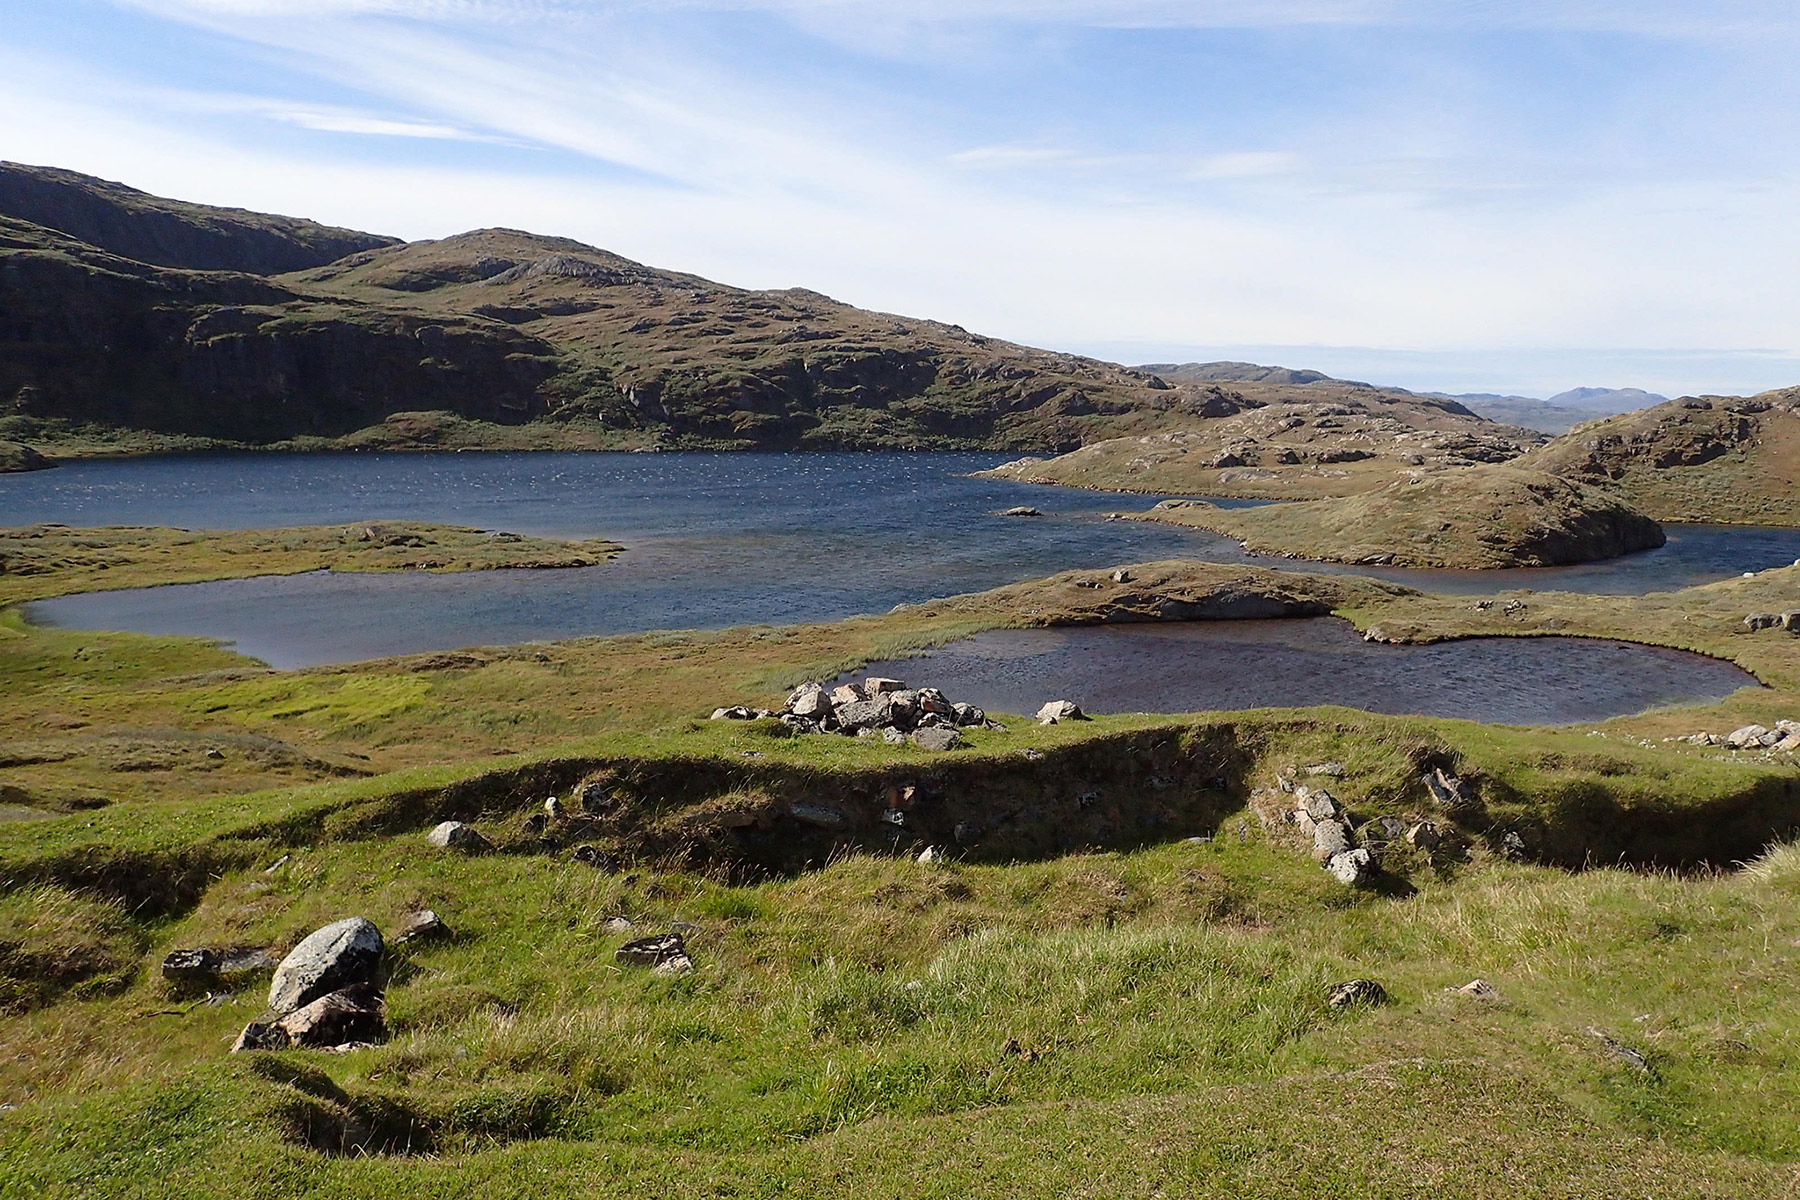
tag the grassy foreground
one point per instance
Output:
(1081, 1002)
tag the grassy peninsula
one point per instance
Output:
(1478, 518)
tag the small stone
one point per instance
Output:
(734, 712)
(1355, 991)
(190, 966)
(595, 797)
(1121, 576)
(616, 925)
(1333, 769)
(894, 816)
(675, 964)
(421, 926)
(260, 1035)
(213, 752)
(1330, 838)
(1424, 836)
(893, 737)
(1058, 711)
(454, 835)
(553, 809)
(1450, 793)
(929, 855)
(1477, 989)
(967, 714)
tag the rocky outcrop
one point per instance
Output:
(15, 457)
(874, 708)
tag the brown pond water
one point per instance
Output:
(1202, 666)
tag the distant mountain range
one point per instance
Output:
(1557, 414)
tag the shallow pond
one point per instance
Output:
(713, 540)
(1218, 665)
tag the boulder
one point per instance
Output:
(1021, 510)
(1058, 711)
(351, 1014)
(735, 712)
(1352, 867)
(936, 738)
(893, 737)
(338, 956)
(422, 925)
(874, 686)
(454, 835)
(810, 700)
(933, 701)
(1790, 620)
(1756, 621)
(1121, 576)
(1319, 804)
(190, 966)
(967, 714)
(1355, 991)
(847, 693)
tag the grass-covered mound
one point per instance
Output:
(1714, 458)
(15, 457)
(1477, 518)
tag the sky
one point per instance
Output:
(1465, 195)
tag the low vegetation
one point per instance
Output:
(1476, 518)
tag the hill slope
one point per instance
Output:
(1710, 458)
(131, 322)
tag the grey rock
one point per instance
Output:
(1756, 621)
(930, 855)
(454, 835)
(734, 712)
(968, 714)
(422, 925)
(893, 737)
(1385, 829)
(819, 815)
(1450, 793)
(596, 858)
(1334, 769)
(810, 702)
(617, 925)
(1058, 711)
(595, 797)
(348, 1015)
(875, 685)
(936, 738)
(1021, 510)
(1319, 804)
(190, 966)
(1355, 991)
(675, 964)
(1477, 989)
(1424, 836)
(846, 693)
(1749, 735)
(1330, 838)
(338, 956)
(1352, 867)
(863, 714)
(1790, 620)
(261, 1035)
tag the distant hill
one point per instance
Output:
(132, 322)
(1607, 400)
(1236, 372)
(171, 233)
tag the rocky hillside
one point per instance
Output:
(1356, 441)
(129, 322)
(1709, 458)
(1481, 518)
(171, 233)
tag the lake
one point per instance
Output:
(713, 539)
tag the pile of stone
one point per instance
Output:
(1319, 815)
(875, 708)
(325, 994)
(1789, 620)
(1784, 738)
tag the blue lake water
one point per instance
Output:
(713, 540)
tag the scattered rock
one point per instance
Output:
(553, 809)
(454, 835)
(819, 815)
(1790, 620)
(893, 737)
(810, 700)
(1355, 991)
(847, 693)
(596, 858)
(1384, 829)
(1058, 711)
(341, 954)
(421, 926)
(653, 952)
(937, 738)
(595, 797)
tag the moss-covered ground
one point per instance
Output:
(1081, 1001)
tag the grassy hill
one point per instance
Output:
(1478, 518)
(1708, 458)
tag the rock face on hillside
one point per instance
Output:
(1708, 458)
(171, 233)
(1289, 449)
(1477, 518)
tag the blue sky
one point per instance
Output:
(1476, 196)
